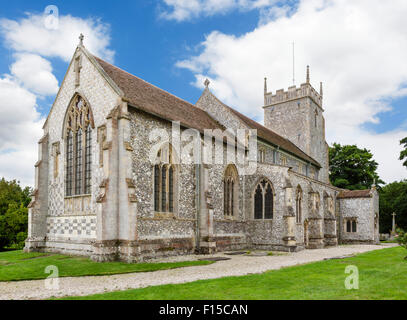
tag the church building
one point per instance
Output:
(110, 186)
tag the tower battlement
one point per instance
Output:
(293, 93)
(297, 115)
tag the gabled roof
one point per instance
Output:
(151, 99)
(349, 194)
(269, 135)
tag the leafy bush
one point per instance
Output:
(13, 214)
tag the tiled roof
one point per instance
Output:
(271, 136)
(156, 101)
(348, 194)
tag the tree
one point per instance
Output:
(402, 239)
(11, 192)
(403, 154)
(393, 198)
(352, 168)
(13, 213)
(13, 226)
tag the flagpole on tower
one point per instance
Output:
(293, 64)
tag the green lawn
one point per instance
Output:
(17, 265)
(383, 275)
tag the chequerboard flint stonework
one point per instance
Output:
(99, 193)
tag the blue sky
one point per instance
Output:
(176, 44)
(145, 45)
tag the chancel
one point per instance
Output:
(99, 193)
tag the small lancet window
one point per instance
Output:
(351, 225)
(164, 181)
(230, 183)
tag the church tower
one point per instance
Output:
(297, 115)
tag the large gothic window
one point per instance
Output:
(298, 205)
(78, 136)
(263, 200)
(230, 185)
(164, 181)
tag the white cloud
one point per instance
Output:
(32, 78)
(357, 48)
(35, 73)
(20, 130)
(181, 10)
(31, 35)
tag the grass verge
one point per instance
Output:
(17, 266)
(382, 275)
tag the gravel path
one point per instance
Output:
(238, 265)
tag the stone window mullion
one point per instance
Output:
(74, 163)
(264, 202)
(160, 203)
(83, 161)
(167, 191)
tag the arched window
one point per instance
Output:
(164, 180)
(230, 187)
(298, 205)
(263, 200)
(78, 136)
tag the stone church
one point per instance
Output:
(107, 188)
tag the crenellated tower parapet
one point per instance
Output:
(293, 93)
(297, 115)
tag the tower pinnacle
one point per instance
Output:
(81, 37)
(321, 92)
(265, 85)
(308, 77)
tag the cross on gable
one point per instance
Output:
(77, 70)
(81, 37)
